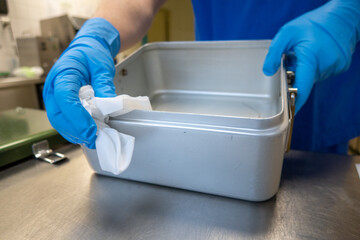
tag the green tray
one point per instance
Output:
(19, 129)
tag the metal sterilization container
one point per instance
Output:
(219, 125)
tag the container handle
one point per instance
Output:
(292, 92)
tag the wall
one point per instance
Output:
(26, 14)
(181, 18)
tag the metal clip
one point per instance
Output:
(292, 92)
(42, 151)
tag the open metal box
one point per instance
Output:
(219, 125)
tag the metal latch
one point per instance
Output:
(42, 151)
(292, 92)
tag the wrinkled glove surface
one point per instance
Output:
(319, 45)
(87, 61)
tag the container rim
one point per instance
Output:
(249, 122)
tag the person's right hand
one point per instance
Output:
(88, 60)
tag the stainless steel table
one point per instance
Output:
(319, 198)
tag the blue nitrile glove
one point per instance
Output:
(323, 42)
(87, 60)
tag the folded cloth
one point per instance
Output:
(114, 149)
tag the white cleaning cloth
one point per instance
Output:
(114, 149)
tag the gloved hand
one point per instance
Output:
(323, 42)
(87, 60)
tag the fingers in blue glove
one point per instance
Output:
(88, 60)
(102, 74)
(302, 61)
(279, 45)
(71, 120)
(323, 41)
(305, 75)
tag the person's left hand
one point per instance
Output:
(323, 42)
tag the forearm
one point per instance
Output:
(132, 18)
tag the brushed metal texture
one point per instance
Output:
(319, 198)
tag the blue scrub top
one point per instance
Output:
(331, 115)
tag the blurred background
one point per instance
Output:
(25, 15)
(34, 33)
(53, 22)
